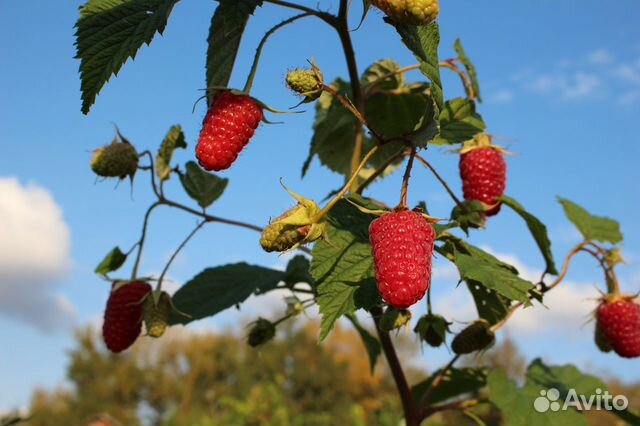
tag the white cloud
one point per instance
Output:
(34, 254)
(600, 57)
(502, 96)
(629, 73)
(629, 98)
(568, 87)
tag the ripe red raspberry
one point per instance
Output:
(618, 319)
(484, 175)
(402, 245)
(226, 129)
(123, 315)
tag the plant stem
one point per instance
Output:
(466, 83)
(440, 179)
(143, 236)
(355, 112)
(348, 185)
(434, 384)
(411, 414)
(405, 179)
(379, 171)
(327, 17)
(175, 253)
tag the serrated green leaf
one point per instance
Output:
(108, 33)
(455, 381)
(471, 69)
(423, 42)
(491, 306)
(111, 262)
(517, 404)
(203, 187)
(366, 5)
(216, 289)
(371, 344)
(566, 377)
(395, 115)
(173, 140)
(459, 122)
(227, 26)
(380, 69)
(537, 229)
(343, 266)
(592, 228)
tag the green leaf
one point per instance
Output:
(111, 262)
(108, 33)
(378, 70)
(173, 140)
(456, 381)
(566, 377)
(459, 122)
(366, 4)
(598, 228)
(203, 187)
(227, 26)
(537, 229)
(216, 289)
(298, 271)
(517, 404)
(423, 42)
(371, 344)
(343, 266)
(471, 70)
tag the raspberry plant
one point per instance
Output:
(351, 260)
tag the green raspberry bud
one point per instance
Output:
(296, 226)
(432, 329)
(394, 318)
(156, 313)
(475, 337)
(261, 332)
(306, 82)
(411, 12)
(118, 159)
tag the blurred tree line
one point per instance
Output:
(216, 379)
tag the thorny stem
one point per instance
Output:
(175, 253)
(440, 179)
(143, 236)
(405, 179)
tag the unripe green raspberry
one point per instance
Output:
(261, 332)
(118, 159)
(156, 314)
(394, 318)
(306, 82)
(411, 12)
(475, 337)
(432, 329)
(298, 225)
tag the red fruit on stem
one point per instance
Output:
(229, 124)
(402, 245)
(123, 315)
(618, 319)
(484, 176)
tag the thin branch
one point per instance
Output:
(152, 170)
(434, 384)
(371, 86)
(175, 253)
(440, 179)
(466, 82)
(143, 236)
(327, 17)
(379, 171)
(348, 105)
(405, 179)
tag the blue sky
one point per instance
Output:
(561, 82)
